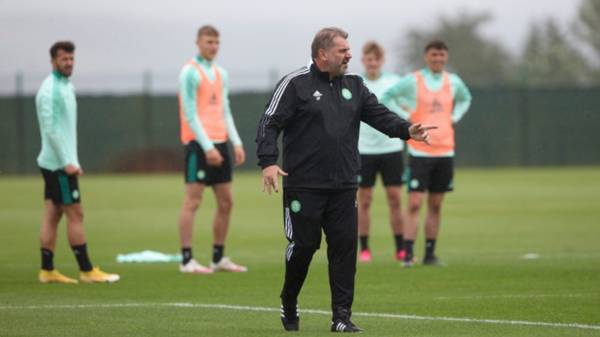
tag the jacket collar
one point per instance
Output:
(324, 75)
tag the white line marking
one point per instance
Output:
(306, 311)
(484, 297)
(531, 256)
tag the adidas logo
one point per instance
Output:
(317, 95)
(436, 106)
(213, 99)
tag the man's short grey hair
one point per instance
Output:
(324, 39)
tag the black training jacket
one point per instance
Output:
(320, 120)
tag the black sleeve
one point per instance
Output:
(380, 117)
(278, 112)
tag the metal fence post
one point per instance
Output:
(147, 108)
(20, 121)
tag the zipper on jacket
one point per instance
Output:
(335, 95)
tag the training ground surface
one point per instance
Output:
(491, 222)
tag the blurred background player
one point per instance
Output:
(57, 116)
(433, 96)
(206, 125)
(379, 154)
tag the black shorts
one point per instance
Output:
(391, 166)
(198, 171)
(433, 174)
(61, 188)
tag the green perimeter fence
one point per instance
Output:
(504, 127)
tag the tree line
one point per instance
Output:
(552, 55)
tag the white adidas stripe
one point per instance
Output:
(290, 250)
(288, 224)
(281, 88)
(277, 96)
(283, 311)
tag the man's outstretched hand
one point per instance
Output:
(271, 178)
(419, 132)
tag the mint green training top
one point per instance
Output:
(405, 92)
(189, 80)
(371, 141)
(56, 108)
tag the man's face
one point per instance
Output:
(436, 59)
(208, 45)
(337, 57)
(372, 64)
(63, 62)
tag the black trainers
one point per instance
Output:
(290, 318)
(341, 322)
(431, 261)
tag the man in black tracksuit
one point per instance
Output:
(319, 110)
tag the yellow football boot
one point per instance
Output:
(54, 276)
(98, 276)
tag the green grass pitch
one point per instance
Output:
(490, 222)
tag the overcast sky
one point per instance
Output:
(118, 39)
